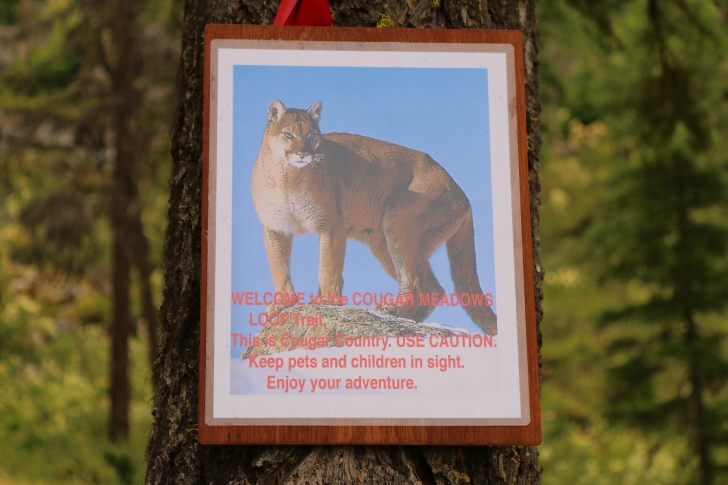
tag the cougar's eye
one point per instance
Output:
(288, 135)
(312, 136)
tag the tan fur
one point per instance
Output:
(398, 201)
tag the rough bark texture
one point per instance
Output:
(174, 454)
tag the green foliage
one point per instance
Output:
(635, 238)
(42, 72)
(55, 166)
(8, 14)
(53, 373)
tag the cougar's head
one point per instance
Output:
(293, 134)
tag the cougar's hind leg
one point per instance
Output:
(402, 230)
(405, 223)
(435, 235)
(414, 228)
(378, 246)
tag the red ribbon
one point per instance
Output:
(314, 13)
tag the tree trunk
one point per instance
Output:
(144, 269)
(174, 456)
(123, 65)
(119, 388)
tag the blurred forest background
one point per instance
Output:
(634, 236)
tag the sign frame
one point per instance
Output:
(212, 430)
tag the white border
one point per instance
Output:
(502, 404)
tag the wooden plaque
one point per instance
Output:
(394, 160)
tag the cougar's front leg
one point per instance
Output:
(332, 243)
(278, 248)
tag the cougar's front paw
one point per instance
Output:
(389, 309)
(406, 311)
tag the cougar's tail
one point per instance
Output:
(461, 253)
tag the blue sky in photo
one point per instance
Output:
(443, 112)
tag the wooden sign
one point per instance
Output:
(367, 270)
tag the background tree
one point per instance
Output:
(660, 234)
(57, 152)
(121, 59)
(174, 455)
(636, 235)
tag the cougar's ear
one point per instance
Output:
(275, 110)
(315, 110)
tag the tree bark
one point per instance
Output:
(174, 456)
